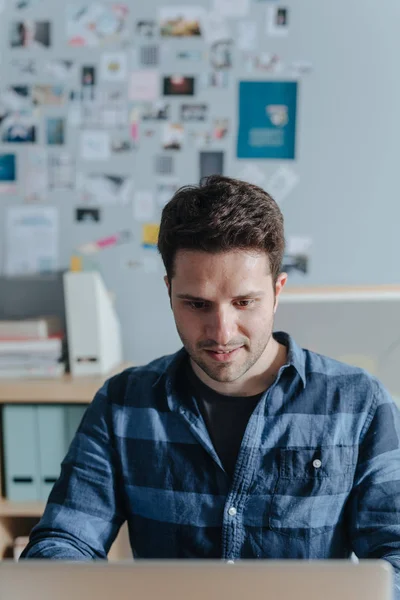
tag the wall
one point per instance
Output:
(346, 150)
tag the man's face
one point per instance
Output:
(224, 306)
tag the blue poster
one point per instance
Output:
(267, 119)
(7, 167)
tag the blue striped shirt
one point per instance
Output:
(317, 475)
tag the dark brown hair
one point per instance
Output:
(219, 215)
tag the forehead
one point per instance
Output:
(231, 270)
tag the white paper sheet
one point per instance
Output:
(31, 240)
(95, 145)
(144, 85)
(232, 8)
(282, 183)
(36, 180)
(143, 206)
(215, 27)
(247, 35)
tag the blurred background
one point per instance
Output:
(105, 110)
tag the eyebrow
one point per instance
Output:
(198, 299)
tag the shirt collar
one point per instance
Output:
(295, 354)
(295, 358)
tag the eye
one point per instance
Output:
(196, 305)
(245, 303)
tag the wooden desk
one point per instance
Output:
(18, 518)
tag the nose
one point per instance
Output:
(221, 326)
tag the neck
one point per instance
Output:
(258, 379)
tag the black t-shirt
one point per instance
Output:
(226, 417)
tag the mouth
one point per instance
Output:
(223, 356)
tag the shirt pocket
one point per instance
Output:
(311, 490)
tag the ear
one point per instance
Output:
(280, 284)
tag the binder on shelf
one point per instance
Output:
(36, 440)
(21, 455)
(52, 443)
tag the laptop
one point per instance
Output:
(196, 580)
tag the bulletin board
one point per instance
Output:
(107, 108)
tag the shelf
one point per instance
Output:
(21, 509)
(66, 389)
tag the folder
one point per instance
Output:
(52, 442)
(21, 453)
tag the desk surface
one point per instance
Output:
(58, 390)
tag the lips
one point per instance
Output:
(223, 356)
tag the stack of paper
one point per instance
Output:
(31, 348)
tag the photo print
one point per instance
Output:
(35, 181)
(181, 21)
(149, 56)
(104, 189)
(55, 131)
(87, 215)
(194, 112)
(220, 128)
(120, 144)
(16, 98)
(30, 34)
(154, 111)
(60, 69)
(178, 85)
(164, 165)
(50, 95)
(61, 172)
(18, 128)
(221, 54)
(172, 138)
(7, 173)
(88, 76)
(277, 21)
(97, 24)
(146, 29)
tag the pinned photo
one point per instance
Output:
(120, 144)
(50, 95)
(277, 21)
(154, 111)
(194, 112)
(221, 54)
(164, 165)
(146, 29)
(97, 24)
(217, 79)
(35, 181)
(88, 76)
(60, 69)
(264, 61)
(181, 21)
(178, 85)
(19, 128)
(30, 34)
(105, 189)
(7, 173)
(16, 98)
(61, 171)
(172, 136)
(87, 215)
(149, 56)
(55, 131)
(220, 128)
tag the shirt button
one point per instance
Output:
(232, 511)
(317, 464)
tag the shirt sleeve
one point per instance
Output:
(84, 511)
(375, 499)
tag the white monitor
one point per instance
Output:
(358, 327)
(197, 580)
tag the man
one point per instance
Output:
(241, 445)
